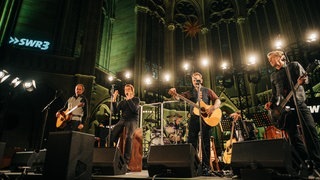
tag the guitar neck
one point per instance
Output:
(74, 108)
(188, 101)
(309, 69)
(232, 131)
(285, 101)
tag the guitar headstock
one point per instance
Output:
(172, 92)
(312, 66)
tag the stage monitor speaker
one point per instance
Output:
(179, 160)
(31, 160)
(69, 155)
(275, 154)
(108, 161)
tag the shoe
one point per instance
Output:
(207, 172)
(128, 169)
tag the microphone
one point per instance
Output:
(198, 81)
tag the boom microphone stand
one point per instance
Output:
(200, 121)
(45, 110)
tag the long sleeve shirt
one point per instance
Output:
(129, 109)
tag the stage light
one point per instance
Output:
(29, 85)
(148, 81)
(204, 62)
(166, 77)
(15, 82)
(252, 60)
(224, 66)
(110, 78)
(186, 66)
(227, 80)
(312, 37)
(127, 74)
(3, 75)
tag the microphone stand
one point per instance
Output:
(300, 118)
(110, 117)
(200, 123)
(295, 102)
(45, 110)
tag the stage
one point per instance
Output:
(130, 175)
(144, 175)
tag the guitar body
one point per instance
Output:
(62, 119)
(228, 152)
(214, 117)
(278, 117)
(66, 116)
(200, 110)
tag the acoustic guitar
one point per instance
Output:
(228, 151)
(65, 116)
(200, 110)
(278, 110)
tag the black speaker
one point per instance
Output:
(262, 155)
(179, 160)
(33, 160)
(108, 161)
(69, 155)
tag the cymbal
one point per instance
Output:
(151, 120)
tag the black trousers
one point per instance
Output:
(130, 126)
(193, 136)
(312, 149)
(72, 125)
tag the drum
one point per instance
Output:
(175, 137)
(169, 129)
(157, 141)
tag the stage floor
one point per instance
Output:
(144, 175)
(131, 175)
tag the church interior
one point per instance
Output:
(49, 46)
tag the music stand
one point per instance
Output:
(261, 119)
(226, 124)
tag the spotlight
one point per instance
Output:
(15, 82)
(29, 85)
(110, 78)
(3, 75)
(127, 75)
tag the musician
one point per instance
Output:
(179, 129)
(129, 109)
(244, 129)
(78, 116)
(206, 95)
(289, 121)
